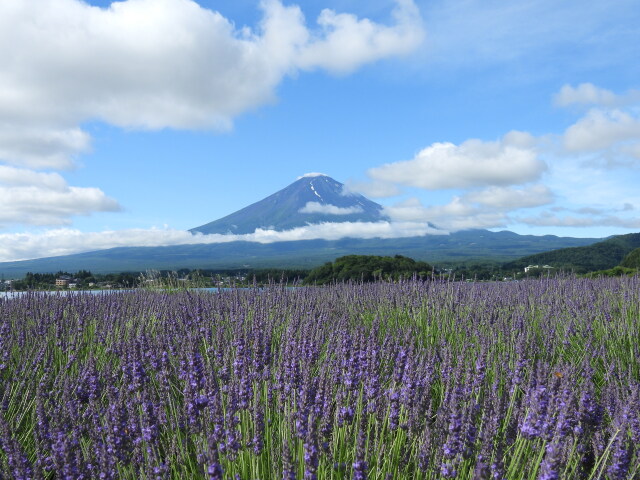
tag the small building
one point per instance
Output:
(537, 267)
(62, 282)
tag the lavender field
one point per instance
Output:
(524, 380)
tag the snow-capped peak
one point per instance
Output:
(288, 208)
(312, 174)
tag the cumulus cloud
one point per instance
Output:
(609, 132)
(505, 198)
(601, 129)
(589, 94)
(508, 161)
(487, 208)
(41, 147)
(409, 210)
(478, 220)
(150, 64)
(38, 198)
(11, 176)
(328, 209)
(585, 94)
(456, 215)
(155, 64)
(22, 246)
(488, 184)
(412, 210)
(345, 42)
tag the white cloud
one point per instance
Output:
(336, 231)
(458, 214)
(11, 176)
(311, 175)
(586, 94)
(549, 219)
(478, 220)
(632, 150)
(38, 146)
(21, 246)
(491, 183)
(154, 64)
(486, 208)
(511, 160)
(608, 134)
(409, 210)
(328, 209)
(505, 198)
(589, 94)
(38, 198)
(601, 129)
(346, 42)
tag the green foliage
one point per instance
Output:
(368, 268)
(476, 270)
(613, 272)
(162, 279)
(632, 260)
(599, 256)
(277, 275)
(39, 281)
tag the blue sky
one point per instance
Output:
(128, 123)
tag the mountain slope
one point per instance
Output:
(310, 199)
(632, 260)
(458, 246)
(599, 256)
(313, 198)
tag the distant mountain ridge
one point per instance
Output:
(602, 255)
(458, 246)
(313, 198)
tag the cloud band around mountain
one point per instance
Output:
(64, 241)
(328, 209)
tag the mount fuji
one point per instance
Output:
(312, 198)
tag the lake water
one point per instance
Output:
(105, 292)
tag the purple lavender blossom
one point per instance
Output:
(551, 465)
(620, 458)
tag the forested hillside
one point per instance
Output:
(632, 260)
(368, 268)
(599, 256)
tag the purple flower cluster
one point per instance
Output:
(404, 380)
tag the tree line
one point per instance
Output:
(368, 268)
